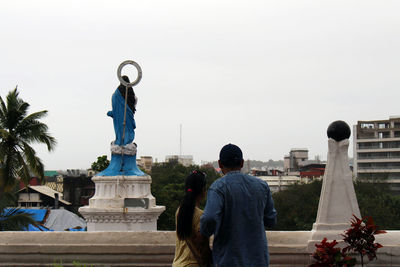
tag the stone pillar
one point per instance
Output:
(338, 200)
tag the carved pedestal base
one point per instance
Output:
(122, 203)
(126, 219)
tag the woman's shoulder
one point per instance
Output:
(197, 213)
(198, 210)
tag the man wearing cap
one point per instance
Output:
(238, 208)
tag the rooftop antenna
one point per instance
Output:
(180, 140)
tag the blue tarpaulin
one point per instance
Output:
(74, 230)
(37, 228)
(37, 214)
(57, 220)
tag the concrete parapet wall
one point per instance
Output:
(150, 248)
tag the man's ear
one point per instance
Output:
(241, 164)
(220, 165)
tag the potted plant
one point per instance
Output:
(327, 255)
(360, 238)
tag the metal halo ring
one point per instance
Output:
(139, 69)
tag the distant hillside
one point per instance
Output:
(258, 164)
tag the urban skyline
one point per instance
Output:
(267, 76)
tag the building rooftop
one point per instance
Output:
(50, 173)
(45, 190)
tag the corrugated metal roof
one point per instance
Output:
(45, 190)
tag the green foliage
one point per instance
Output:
(101, 164)
(375, 200)
(18, 130)
(13, 219)
(297, 205)
(168, 188)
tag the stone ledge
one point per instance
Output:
(151, 248)
(85, 249)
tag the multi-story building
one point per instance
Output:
(185, 160)
(54, 180)
(145, 162)
(296, 159)
(78, 187)
(376, 149)
(281, 182)
(312, 171)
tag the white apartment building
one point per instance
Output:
(279, 183)
(376, 149)
(185, 160)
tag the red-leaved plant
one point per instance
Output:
(327, 255)
(361, 238)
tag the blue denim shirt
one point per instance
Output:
(237, 209)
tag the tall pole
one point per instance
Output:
(180, 140)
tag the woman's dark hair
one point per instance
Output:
(194, 186)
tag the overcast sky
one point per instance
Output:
(265, 75)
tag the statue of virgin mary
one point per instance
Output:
(123, 157)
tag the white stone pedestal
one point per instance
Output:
(122, 203)
(338, 200)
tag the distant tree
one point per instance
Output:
(297, 205)
(168, 182)
(375, 199)
(101, 164)
(18, 131)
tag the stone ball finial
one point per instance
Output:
(339, 130)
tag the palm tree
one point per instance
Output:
(18, 130)
(13, 219)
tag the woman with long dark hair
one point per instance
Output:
(192, 248)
